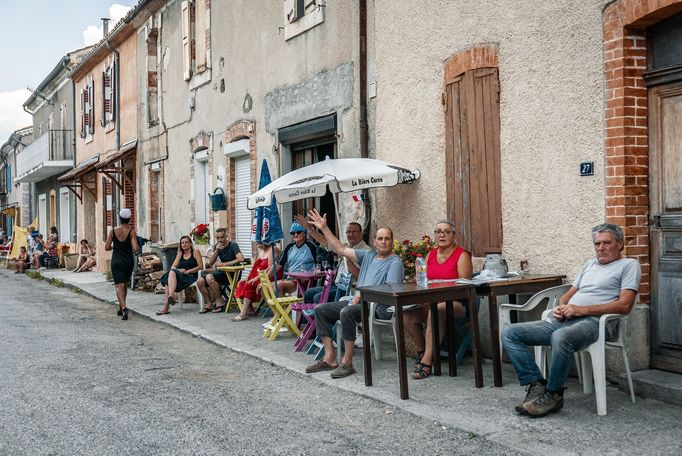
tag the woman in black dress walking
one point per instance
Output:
(183, 273)
(123, 241)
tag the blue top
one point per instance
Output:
(295, 258)
(374, 271)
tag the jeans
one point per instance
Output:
(312, 295)
(327, 314)
(565, 338)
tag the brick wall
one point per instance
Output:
(626, 115)
(240, 130)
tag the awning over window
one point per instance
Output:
(81, 177)
(83, 167)
(108, 165)
(126, 149)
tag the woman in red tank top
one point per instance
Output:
(446, 261)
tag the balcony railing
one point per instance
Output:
(50, 154)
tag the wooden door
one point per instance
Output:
(474, 199)
(665, 184)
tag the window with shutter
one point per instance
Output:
(473, 159)
(108, 97)
(186, 40)
(200, 35)
(91, 108)
(84, 122)
(106, 101)
(113, 75)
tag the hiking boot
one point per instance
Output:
(533, 391)
(550, 401)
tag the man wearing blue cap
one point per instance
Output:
(298, 255)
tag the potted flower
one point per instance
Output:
(200, 234)
(408, 251)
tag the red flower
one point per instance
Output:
(406, 242)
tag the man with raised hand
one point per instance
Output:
(377, 267)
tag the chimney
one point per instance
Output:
(105, 26)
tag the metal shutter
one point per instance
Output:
(242, 214)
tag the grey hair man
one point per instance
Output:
(606, 284)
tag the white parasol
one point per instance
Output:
(337, 175)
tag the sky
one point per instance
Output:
(36, 34)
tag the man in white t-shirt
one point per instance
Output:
(607, 284)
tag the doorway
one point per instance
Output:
(307, 154)
(664, 81)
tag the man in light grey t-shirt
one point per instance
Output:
(377, 267)
(607, 284)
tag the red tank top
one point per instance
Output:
(445, 270)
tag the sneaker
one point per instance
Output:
(550, 401)
(533, 391)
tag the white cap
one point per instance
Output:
(125, 213)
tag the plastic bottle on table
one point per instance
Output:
(420, 270)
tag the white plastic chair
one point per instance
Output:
(597, 368)
(377, 326)
(552, 296)
(200, 297)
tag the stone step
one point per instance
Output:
(655, 384)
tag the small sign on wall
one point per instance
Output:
(586, 168)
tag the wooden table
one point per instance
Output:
(233, 273)
(305, 279)
(528, 283)
(402, 294)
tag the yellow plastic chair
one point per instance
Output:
(281, 309)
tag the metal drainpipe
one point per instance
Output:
(72, 208)
(364, 148)
(118, 95)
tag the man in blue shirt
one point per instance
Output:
(607, 284)
(298, 255)
(377, 267)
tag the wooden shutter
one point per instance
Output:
(83, 113)
(186, 41)
(200, 34)
(114, 88)
(106, 100)
(473, 159)
(91, 109)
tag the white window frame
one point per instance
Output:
(296, 21)
(65, 214)
(202, 182)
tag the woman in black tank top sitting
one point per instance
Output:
(183, 273)
(123, 241)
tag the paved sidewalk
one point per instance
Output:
(647, 427)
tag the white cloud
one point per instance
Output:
(12, 114)
(93, 33)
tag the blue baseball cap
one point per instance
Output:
(296, 227)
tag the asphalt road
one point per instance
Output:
(75, 379)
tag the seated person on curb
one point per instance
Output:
(446, 261)
(377, 267)
(226, 253)
(21, 262)
(52, 249)
(607, 284)
(38, 251)
(183, 273)
(299, 255)
(86, 257)
(354, 236)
